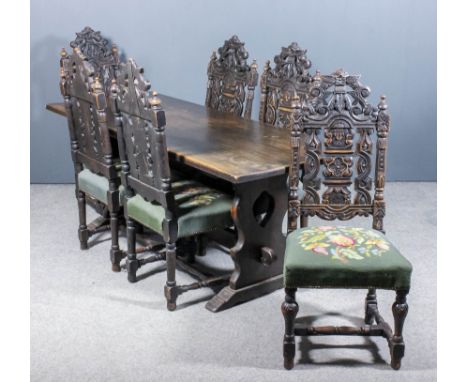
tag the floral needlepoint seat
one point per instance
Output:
(343, 257)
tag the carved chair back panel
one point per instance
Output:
(87, 129)
(86, 108)
(141, 134)
(344, 140)
(289, 78)
(228, 77)
(104, 58)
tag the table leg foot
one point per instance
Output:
(229, 297)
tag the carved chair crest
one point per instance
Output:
(228, 77)
(141, 123)
(86, 107)
(105, 59)
(279, 85)
(338, 129)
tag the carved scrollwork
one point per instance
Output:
(339, 93)
(104, 58)
(363, 183)
(339, 129)
(228, 77)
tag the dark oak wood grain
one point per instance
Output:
(225, 146)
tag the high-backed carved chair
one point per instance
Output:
(96, 169)
(278, 85)
(339, 131)
(229, 76)
(174, 209)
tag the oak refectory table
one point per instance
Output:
(252, 158)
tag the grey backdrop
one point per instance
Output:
(392, 43)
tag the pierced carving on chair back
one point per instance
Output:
(228, 77)
(289, 77)
(141, 122)
(337, 126)
(105, 59)
(86, 106)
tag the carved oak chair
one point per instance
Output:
(156, 198)
(97, 175)
(289, 77)
(228, 77)
(338, 130)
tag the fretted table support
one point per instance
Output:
(258, 213)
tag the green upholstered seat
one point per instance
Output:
(343, 257)
(95, 185)
(201, 209)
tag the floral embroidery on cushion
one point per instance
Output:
(190, 192)
(201, 200)
(343, 243)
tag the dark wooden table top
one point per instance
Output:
(225, 146)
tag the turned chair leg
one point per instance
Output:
(132, 262)
(397, 346)
(170, 289)
(289, 308)
(371, 306)
(83, 233)
(114, 206)
(115, 252)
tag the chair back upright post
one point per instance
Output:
(228, 77)
(336, 129)
(279, 85)
(141, 122)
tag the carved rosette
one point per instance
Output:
(228, 77)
